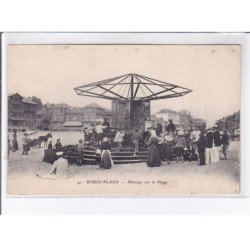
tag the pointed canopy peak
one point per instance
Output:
(132, 87)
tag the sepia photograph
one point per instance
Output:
(123, 119)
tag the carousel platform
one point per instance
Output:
(124, 155)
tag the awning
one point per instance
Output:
(72, 124)
(16, 119)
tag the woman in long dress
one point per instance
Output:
(14, 147)
(153, 159)
(106, 160)
(50, 153)
(168, 145)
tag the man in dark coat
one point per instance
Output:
(171, 127)
(225, 143)
(201, 143)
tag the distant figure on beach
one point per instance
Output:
(106, 160)
(25, 142)
(14, 146)
(9, 147)
(59, 169)
(225, 143)
(153, 159)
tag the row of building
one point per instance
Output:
(30, 113)
(182, 119)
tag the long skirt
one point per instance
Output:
(49, 156)
(168, 150)
(160, 148)
(14, 145)
(153, 159)
(179, 151)
(106, 160)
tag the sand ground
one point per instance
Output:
(186, 178)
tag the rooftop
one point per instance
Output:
(93, 105)
(29, 101)
(72, 124)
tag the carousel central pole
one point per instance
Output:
(132, 87)
(131, 98)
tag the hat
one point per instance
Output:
(105, 139)
(59, 153)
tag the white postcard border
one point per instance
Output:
(132, 205)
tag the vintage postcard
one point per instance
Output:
(123, 119)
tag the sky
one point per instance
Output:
(50, 72)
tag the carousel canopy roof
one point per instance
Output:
(132, 87)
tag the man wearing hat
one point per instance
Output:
(59, 169)
(25, 144)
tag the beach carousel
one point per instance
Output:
(131, 96)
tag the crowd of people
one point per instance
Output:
(163, 144)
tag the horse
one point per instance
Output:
(44, 139)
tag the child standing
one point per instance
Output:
(80, 152)
(179, 147)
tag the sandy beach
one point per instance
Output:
(186, 178)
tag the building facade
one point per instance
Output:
(183, 119)
(59, 116)
(29, 114)
(21, 113)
